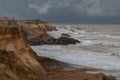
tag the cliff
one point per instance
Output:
(37, 34)
(36, 30)
(39, 24)
(17, 60)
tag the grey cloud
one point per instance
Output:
(83, 7)
(98, 7)
(41, 9)
(63, 10)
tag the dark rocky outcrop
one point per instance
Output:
(55, 41)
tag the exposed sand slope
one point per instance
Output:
(17, 60)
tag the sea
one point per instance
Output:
(99, 47)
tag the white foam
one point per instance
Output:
(90, 59)
(89, 42)
(86, 58)
(109, 36)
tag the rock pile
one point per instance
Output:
(63, 40)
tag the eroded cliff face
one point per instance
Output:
(36, 30)
(17, 60)
(41, 25)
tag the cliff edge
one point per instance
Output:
(17, 60)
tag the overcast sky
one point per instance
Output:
(63, 11)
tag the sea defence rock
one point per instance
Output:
(17, 60)
(55, 41)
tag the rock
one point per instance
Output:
(63, 40)
(17, 60)
(67, 40)
(54, 41)
(65, 35)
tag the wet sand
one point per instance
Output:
(57, 70)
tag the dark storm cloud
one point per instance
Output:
(84, 7)
(63, 10)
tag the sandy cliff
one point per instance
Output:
(17, 60)
(36, 30)
(42, 25)
(37, 34)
